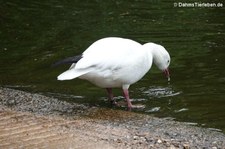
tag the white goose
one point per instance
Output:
(116, 62)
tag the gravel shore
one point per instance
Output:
(36, 121)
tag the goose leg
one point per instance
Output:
(126, 95)
(110, 94)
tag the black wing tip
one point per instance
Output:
(55, 64)
(68, 60)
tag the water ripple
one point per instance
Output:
(155, 109)
(160, 92)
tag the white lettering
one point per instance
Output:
(186, 4)
(205, 4)
(197, 4)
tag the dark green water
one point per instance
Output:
(34, 34)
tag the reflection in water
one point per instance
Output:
(35, 34)
(159, 92)
(155, 109)
(181, 110)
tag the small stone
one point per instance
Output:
(186, 146)
(135, 137)
(172, 147)
(159, 141)
(151, 145)
(128, 137)
(119, 141)
(142, 138)
(214, 147)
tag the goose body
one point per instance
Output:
(116, 62)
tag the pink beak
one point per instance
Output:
(167, 73)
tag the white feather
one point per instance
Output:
(72, 73)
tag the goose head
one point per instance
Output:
(161, 57)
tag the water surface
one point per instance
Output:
(33, 35)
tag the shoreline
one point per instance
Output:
(33, 120)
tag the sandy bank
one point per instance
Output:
(31, 120)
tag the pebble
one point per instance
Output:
(172, 147)
(159, 141)
(186, 146)
(135, 137)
